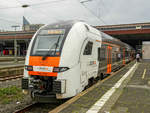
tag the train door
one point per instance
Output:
(109, 59)
(86, 60)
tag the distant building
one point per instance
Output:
(30, 27)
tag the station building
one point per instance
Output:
(133, 34)
(22, 38)
(7, 40)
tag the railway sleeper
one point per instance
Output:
(9, 72)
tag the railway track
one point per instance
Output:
(40, 107)
(25, 109)
(60, 104)
(9, 77)
(47, 108)
(12, 72)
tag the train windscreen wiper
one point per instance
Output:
(57, 44)
(49, 51)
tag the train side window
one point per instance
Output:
(102, 53)
(126, 53)
(88, 48)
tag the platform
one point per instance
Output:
(127, 91)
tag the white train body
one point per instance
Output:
(61, 59)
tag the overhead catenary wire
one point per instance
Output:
(9, 21)
(10, 7)
(41, 12)
(5, 26)
(36, 4)
(101, 20)
(30, 5)
(43, 3)
(106, 9)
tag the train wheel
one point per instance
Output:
(102, 76)
(86, 87)
(32, 94)
(90, 83)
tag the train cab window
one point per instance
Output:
(88, 48)
(47, 45)
(48, 42)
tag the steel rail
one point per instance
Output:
(4, 78)
(27, 108)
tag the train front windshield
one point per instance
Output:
(48, 43)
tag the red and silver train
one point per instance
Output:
(63, 57)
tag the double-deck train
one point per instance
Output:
(62, 59)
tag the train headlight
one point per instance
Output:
(29, 68)
(60, 69)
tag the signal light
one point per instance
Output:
(60, 69)
(29, 68)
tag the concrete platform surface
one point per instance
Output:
(135, 97)
(128, 91)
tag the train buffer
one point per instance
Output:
(126, 91)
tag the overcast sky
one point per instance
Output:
(94, 12)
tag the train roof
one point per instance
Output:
(68, 24)
(110, 39)
(61, 24)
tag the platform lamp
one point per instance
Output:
(15, 44)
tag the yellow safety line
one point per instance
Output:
(143, 76)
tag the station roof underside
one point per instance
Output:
(138, 34)
(124, 32)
